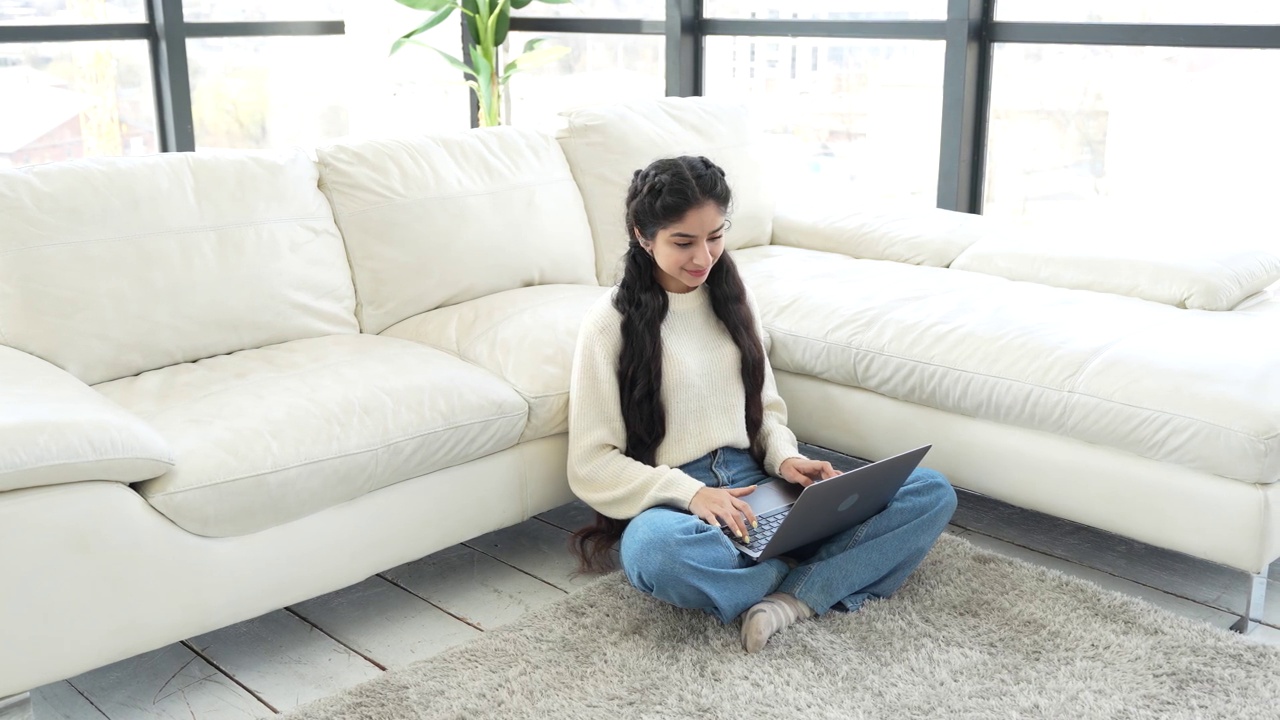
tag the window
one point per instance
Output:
(77, 99)
(413, 91)
(827, 9)
(71, 12)
(599, 69)
(644, 9)
(1219, 12)
(1178, 134)
(1094, 127)
(263, 92)
(868, 113)
(266, 10)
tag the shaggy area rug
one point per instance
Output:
(971, 635)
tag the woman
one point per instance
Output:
(674, 417)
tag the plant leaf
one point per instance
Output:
(517, 4)
(536, 57)
(432, 5)
(503, 25)
(481, 63)
(433, 21)
(473, 22)
(484, 77)
(455, 62)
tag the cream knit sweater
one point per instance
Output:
(702, 392)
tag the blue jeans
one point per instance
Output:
(676, 557)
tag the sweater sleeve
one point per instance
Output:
(599, 473)
(776, 438)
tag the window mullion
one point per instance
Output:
(172, 80)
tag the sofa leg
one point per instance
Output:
(16, 707)
(1254, 602)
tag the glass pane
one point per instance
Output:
(1109, 133)
(71, 12)
(862, 114)
(285, 91)
(599, 69)
(1220, 12)
(266, 92)
(645, 9)
(247, 10)
(827, 9)
(413, 91)
(72, 100)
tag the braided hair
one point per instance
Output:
(659, 196)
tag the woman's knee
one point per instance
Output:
(940, 496)
(648, 545)
(665, 549)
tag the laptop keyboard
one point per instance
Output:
(760, 536)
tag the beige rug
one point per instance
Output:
(971, 635)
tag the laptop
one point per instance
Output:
(790, 516)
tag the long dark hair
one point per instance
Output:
(659, 196)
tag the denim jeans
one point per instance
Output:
(676, 557)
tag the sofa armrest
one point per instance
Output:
(55, 429)
(924, 236)
(1192, 275)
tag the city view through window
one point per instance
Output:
(1184, 135)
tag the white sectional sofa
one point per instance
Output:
(232, 382)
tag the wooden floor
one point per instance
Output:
(286, 658)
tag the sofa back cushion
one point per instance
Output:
(431, 221)
(111, 267)
(917, 236)
(606, 144)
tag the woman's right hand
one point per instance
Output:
(722, 508)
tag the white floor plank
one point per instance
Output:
(537, 548)
(171, 682)
(61, 701)
(474, 586)
(385, 622)
(1181, 606)
(284, 660)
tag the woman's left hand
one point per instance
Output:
(805, 472)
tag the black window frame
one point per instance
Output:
(969, 31)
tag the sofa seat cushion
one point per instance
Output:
(1194, 388)
(266, 436)
(525, 336)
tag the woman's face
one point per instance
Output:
(685, 251)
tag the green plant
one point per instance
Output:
(487, 23)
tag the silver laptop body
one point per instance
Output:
(824, 508)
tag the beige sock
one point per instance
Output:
(775, 612)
